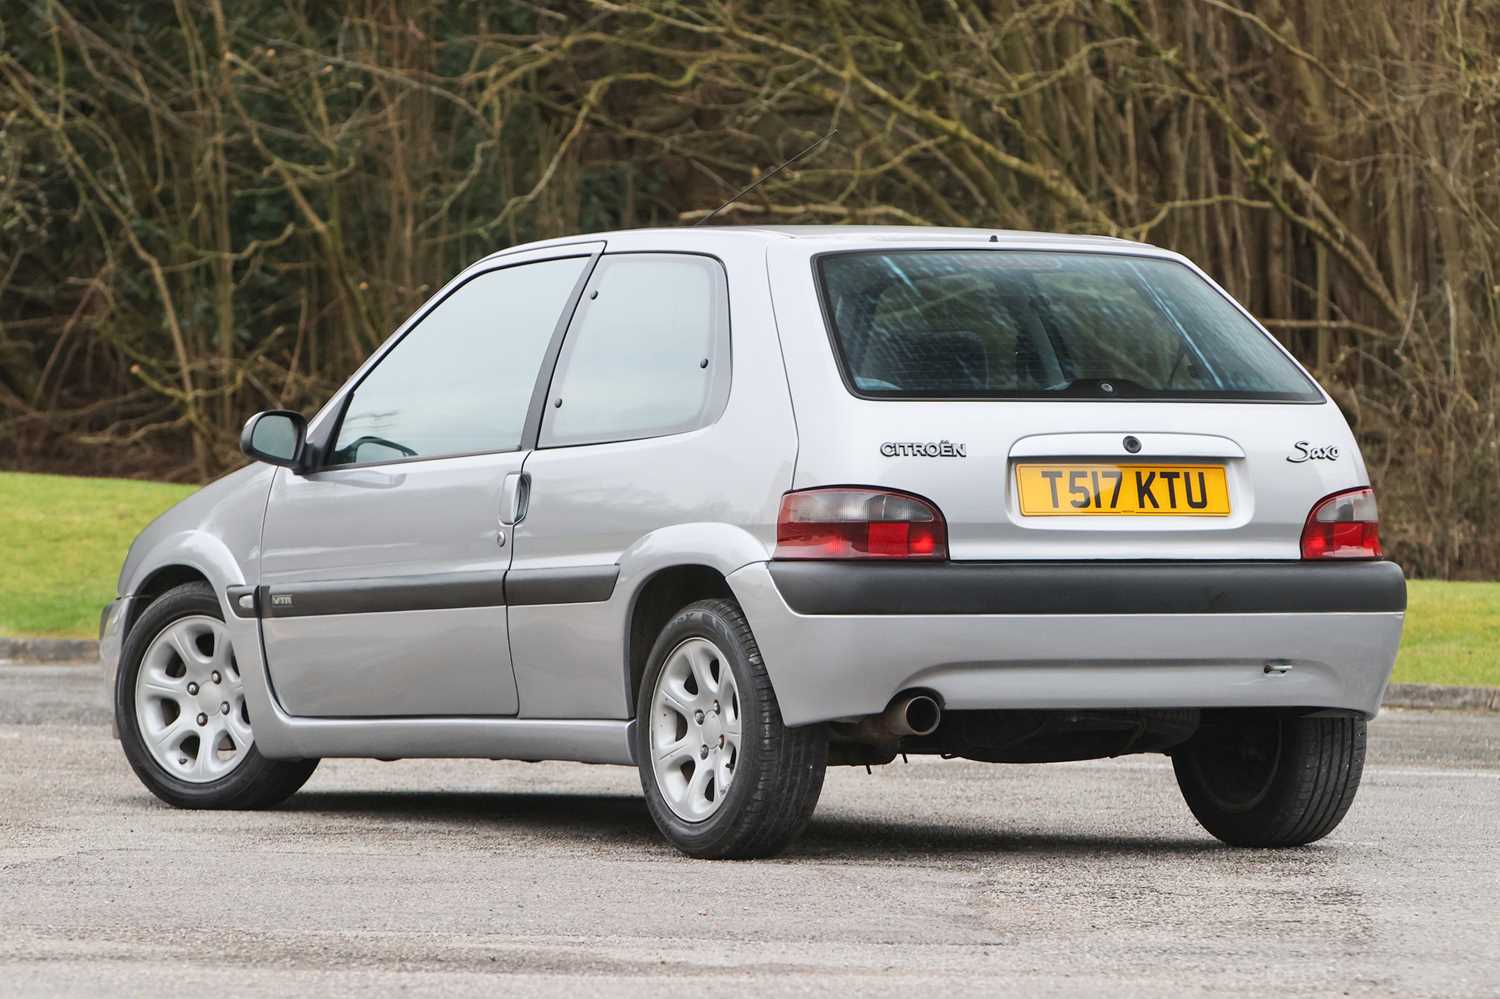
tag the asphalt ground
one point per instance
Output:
(437, 877)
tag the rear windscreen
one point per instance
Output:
(1014, 324)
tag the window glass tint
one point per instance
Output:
(633, 364)
(460, 382)
(964, 323)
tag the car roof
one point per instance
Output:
(919, 232)
(694, 237)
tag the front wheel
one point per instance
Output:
(724, 778)
(180, 706)
(1270, 780)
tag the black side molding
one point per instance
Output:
(1090, 587)
(439, 591)
(574, 585)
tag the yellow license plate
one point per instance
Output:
(1074, 490)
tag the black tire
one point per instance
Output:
(256, 783)
(778, 774)
(1263, 779)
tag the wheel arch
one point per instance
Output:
(183, 557)
(158, 582)
(659, 596)
(669, 568)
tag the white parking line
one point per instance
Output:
(1430, 772)
(1163, 763)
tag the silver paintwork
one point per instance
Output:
(709, 497)
(569, 657)
(1065, 660)
(419, 662)
(695, 695)
(111, 637)
(1085, 445)
(409, 519)
(976, 494)
(572, 739)
(190, 705)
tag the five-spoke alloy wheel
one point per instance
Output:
(180, 706)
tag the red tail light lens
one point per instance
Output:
(859, 523)
(1345, 525)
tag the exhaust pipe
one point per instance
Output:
(909, 714)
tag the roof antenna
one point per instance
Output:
(767, 176)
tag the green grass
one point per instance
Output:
(63, 540)
(1452, 634)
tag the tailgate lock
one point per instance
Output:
(1278, 667)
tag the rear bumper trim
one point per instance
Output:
(834, 666)
(894, 588)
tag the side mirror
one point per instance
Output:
(276, 436)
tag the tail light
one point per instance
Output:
(859, 523)
(1344, 525)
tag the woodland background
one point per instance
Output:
(209, 208)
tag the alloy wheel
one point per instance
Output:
(190, 701)
(695, 729)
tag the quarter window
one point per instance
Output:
(461, 380)
(647, 354)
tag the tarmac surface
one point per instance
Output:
(437, 877)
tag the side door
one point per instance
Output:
(630, 442)
(383, 570)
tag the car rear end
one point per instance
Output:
(1058, 474)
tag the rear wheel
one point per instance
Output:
(723, 776)
(180, 707)
(1270, 780)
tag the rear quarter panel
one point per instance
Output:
(706, 497)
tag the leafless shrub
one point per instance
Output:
(207, 208)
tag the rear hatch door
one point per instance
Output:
(1106, 403)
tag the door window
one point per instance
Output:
(647, 353)
(461, 380)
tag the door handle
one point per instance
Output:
(515, 495)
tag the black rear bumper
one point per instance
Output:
(1090, 587)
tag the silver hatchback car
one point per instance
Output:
(734, 504)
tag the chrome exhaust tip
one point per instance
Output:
(908, 714)
(915, 714)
